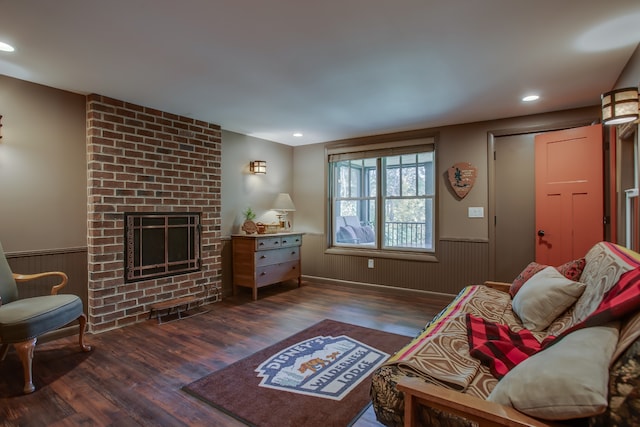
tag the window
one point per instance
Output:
(383, 196)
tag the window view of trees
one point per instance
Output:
(404, 201)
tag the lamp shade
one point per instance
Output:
(620, 106)
(283, 203)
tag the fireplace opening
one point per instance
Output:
(161, 244)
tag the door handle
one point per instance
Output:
(541, 233)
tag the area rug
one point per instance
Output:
(317, 377)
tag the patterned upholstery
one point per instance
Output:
(388, 403)
(605, 263)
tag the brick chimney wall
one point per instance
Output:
(144, 160)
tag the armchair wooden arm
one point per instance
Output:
(418, 392)
(20, 278)
(500, 286)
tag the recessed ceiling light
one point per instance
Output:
(6, 47)
(530, 98)
(298, 134)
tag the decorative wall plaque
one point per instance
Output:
(462, 176)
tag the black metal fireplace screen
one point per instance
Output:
(161, 244)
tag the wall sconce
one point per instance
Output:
(258, 166)
(283, 204)
(620, 106)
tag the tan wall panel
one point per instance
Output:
(241, 188)
(463, 242)
(43, 167)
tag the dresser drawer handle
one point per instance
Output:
(261, 244)
(262, 257)
(284, 241)
(293, 252)
(263, 273)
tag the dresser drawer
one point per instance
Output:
(276, 256)
(293, 240)
(277, 273)
(268, 243)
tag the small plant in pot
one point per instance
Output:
(249, 227)
(249, 214)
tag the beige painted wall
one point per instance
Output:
(460, 143)
(464, 248)
(43, 178)
(630, 76)
(241, 188)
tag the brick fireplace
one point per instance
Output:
(144, 160)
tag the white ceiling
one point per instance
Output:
(331, 69)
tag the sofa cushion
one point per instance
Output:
(30, 317)
(606, 263)
(8, 287)
(358, 233)
(346, 235)
(545, 296)
(369, 234)
(571, 270)
(567, 380)
(624, 391)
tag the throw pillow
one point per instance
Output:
(544, 297)
(567, 380)
(525, 275)
(358, 232)
(345, 235)
(571, 270)
(370, 235)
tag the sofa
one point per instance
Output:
(350, 230)
(558, 345)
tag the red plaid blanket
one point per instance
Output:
(501, 349)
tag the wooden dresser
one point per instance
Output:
(263, 259)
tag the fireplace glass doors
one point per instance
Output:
(161, 244)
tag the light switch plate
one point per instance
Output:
(476, 212)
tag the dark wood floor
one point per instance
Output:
(134, 374)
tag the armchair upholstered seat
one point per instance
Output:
(22, 321)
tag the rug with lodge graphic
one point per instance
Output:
(317, 377)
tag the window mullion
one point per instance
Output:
(381, 191)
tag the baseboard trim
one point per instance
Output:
(371, 286)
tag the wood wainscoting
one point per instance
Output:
(72, 261)
(460, 263)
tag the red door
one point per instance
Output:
(569, 193)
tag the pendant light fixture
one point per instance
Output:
(620, 106)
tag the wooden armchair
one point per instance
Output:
(23, 320)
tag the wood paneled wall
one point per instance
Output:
(460, 263)
(71, 261)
